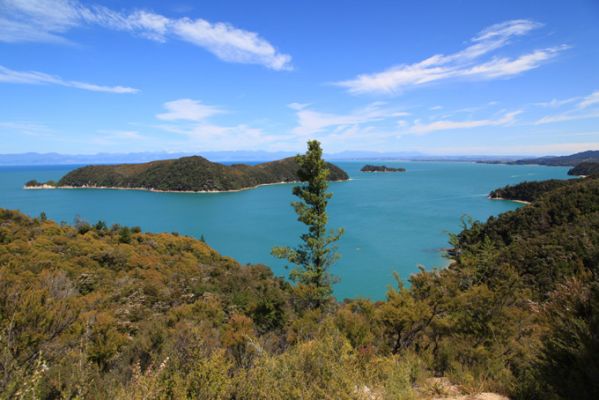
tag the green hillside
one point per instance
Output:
(527, 191)
(585, 169)
(563, 161)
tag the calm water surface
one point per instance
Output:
(393, 221)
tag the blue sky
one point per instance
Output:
(438, 77)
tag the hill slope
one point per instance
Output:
(188, 174)
(563, 161)
(585, 169)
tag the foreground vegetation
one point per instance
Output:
(90, 311)
(185, 174)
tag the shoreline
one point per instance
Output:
(142, 189)
(515, 201)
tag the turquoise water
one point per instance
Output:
(393, 221)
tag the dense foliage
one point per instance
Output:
(95, 312)
(527, 191)
(585, 169)
(188, 174)
(381, 168)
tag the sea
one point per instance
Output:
(393, 222)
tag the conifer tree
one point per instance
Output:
(317, 252)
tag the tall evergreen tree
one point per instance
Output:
(317, 252)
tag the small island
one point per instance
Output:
(33, 184)
(381, 168)
(186, 174)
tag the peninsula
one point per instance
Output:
(381, 168)
(586, 168)
(186, 174)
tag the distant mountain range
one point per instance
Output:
(225, 156)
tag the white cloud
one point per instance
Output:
(577, 113)
(208, 137)
(502, 67)
(462, 64)
(555, 103)
(566, 116)
(39, 78)
(231, 44)
(298, 106)
(26, 128)
(114, 138)
(189, 119)
(119, 134)
(590, 100)
(445, 125)
(49, 20)
(187, 110)
(311, 122)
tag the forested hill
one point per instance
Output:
(585, 169)
(188, 174)
(527, 191)
(563, 161)
(554, 237)
(90, 311)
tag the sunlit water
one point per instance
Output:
(393, 221)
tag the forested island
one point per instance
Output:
(381, 168)
(97, 311)
(186, 174)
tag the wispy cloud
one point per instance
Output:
(39, 78)
(310, 122)
(120, 134)
(586, 108)
(187, 110)
(567, 116)
(207, 136)
(108, 138)
(189, 119)
(590, 100)
(26, 128)
(555, 103)
(463, 64)
(562, 148)
(49, 20)
(444, 125)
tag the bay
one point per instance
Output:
(393, 221)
